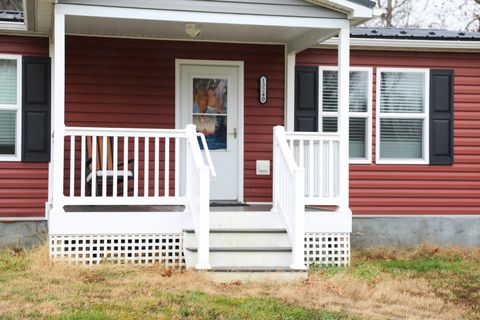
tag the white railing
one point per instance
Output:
(110, 166)
(198, 194)
(288, 195)
(318, 154)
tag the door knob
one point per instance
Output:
(234, 133)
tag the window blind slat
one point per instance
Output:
(7, 131)
(402, 92)
(8, 82)
(401, 138)
(358, 91)
(358, 134)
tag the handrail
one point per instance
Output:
(288, 195)
(282, 144)
(317, 136)
(119, 132)
(213, 173)
(198, 196)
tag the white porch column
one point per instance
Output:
(58, 110)
(290, 60)
(343, 120)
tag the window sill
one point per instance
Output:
(402, 161)
(4, 158)
(360, 161)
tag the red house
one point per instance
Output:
(234, 135)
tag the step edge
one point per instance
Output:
(246, 230)
(244, 249)
(255, 269)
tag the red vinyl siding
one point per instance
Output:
(131, 83)
(420, 189)
(23, 186)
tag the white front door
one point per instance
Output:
(209, 98)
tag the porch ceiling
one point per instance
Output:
(114, 27)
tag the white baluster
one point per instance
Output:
(72, 166)
(146, 168)
(115, 167)
(156, 168)
(331, 168)
(177, 167)
(125, 167)
(104, 166)
(94, 167)
(167, 167)
(310, 173)
(82, 167)
(136, 159)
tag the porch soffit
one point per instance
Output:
(176, 30)
(296, 23)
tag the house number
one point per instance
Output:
(263, 90)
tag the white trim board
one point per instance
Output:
(241, 111)
(17, 108)
(22, 219)
(105, 223)
(368, 113)
(200, 17)
(406, 45)
(369, 216)
(420, 116)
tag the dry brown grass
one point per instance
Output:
(39, 287)
(424, 251)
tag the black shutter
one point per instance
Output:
(441, 117)
(306, 99)
(36, 106)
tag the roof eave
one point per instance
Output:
(358, 12)
(407, 44)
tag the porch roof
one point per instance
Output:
(296, 23)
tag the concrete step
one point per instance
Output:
(261, 257)
(246, 238)
(246, 220)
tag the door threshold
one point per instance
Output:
(227, 203)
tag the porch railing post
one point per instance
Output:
(343, 118)
(203, 258)
(58, 111)
(298, 250)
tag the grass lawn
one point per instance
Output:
(429, 282)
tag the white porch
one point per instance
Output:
(309, 169)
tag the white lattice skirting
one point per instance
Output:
(332, 249)
(320, 249)
(166, 249)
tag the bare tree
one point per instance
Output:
(474, 23)
(16, 5)
(457, 15)
(399, 13)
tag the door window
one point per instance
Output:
(210, 110)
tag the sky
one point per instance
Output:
(441, 14)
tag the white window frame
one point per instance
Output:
(423, 116)
(18, 108)
(366, 115)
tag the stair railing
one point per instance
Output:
(198, 195)
(288, 195)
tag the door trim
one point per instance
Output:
(240, 112)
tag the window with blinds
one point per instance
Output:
(402, 116)
(360, 109)
(9, 107)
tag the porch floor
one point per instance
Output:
(144, 208)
